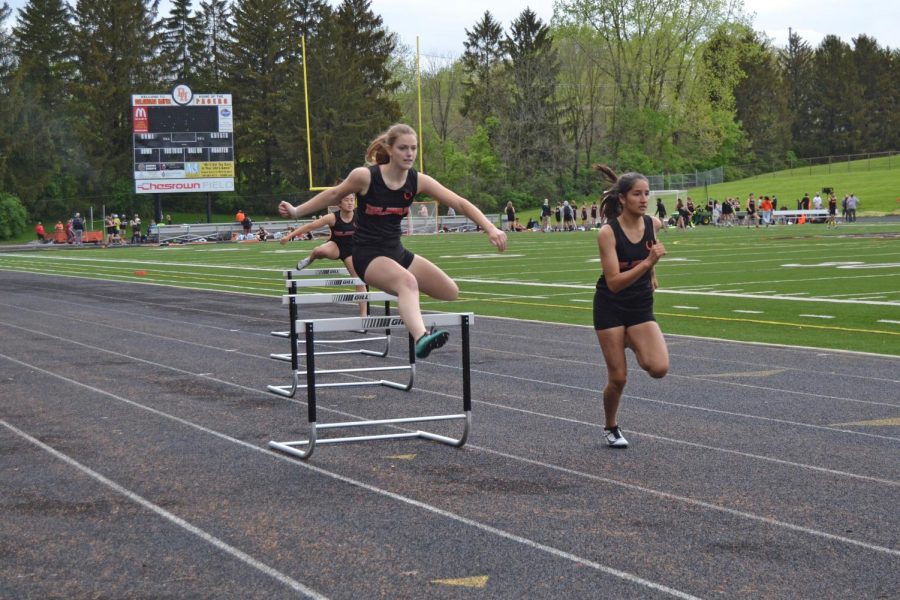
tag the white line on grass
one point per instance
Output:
(748, 312)
(754, 296)
(817, 316)
(685, 307)
(892, 322)
(193, 529)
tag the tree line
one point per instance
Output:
(672, 85)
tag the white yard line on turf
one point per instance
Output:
(788, 297)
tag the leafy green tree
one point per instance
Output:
(181, 44)
(13, 216)
(481, 61)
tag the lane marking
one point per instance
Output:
(894, 422)
(746, 374)
(891, 321)
(748, 312)
(686, 307)
(816, 316)
(388, 494)
(469, 582)
(172, 518)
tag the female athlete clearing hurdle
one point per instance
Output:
(623, 300)
(342, 224)
(385, 190)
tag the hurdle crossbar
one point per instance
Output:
(304, 448)
(294, 300)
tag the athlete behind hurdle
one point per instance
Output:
(339, 246)
(623, 299)
(385, 189)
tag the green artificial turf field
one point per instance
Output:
(800, 285)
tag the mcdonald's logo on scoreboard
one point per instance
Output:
(141, 121)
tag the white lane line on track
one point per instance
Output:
(172, 518)
(351, 415)
(382, 492)
(554, 551)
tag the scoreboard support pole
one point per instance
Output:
(157, 202)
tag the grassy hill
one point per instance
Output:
(876, 182)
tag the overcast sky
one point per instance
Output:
(441, 24)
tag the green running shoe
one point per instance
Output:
(431, 341)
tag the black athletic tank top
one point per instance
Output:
(630, 255)
(380, 210)
(342, 232)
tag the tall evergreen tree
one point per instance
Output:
(481, 61)
(7, 62)
(531, 137)
(257, 73)
(181, 44)
(835, 101)
(308, 18)
(761, 104)
(351, 97)
(214, 16)
(797, 73)
(114, 42)
(875, 119)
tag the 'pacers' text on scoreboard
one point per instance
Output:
(183, 142)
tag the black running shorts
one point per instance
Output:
(364, 255)
(609, 312)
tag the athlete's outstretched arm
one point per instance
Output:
(326, 221)
(357, 182)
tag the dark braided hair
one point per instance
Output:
(610, 207)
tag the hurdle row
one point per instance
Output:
(312, 327)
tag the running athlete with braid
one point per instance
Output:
(623, 300)
(385, 190)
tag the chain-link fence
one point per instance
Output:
(684, 181)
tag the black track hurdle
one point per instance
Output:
(294, 300)
(305, 448)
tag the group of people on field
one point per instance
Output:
(366, 236)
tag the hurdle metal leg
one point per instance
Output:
(304, 448)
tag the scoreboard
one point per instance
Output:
(183, 142)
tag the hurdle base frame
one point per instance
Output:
(294, 449)
(304, 448)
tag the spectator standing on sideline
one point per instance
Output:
(765, 209)
(831, 221)
(661, 212)
(545, 215)
(510, 215)
(136, 229)
(623, 298)
(78, 228)
(852, 203)
(385, 190)
(39, 231)
(451, 212)
(58, 229)
(594, 212)
(240, 216)
(817, 201)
